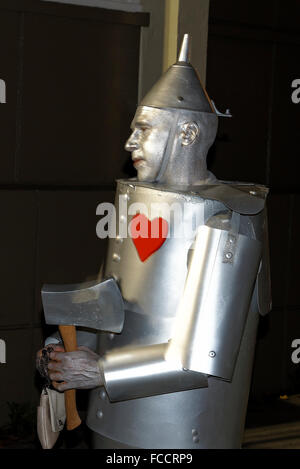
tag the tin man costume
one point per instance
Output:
(178, 375)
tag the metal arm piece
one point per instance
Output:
(208, 327)
(133, 372)
(213, 309)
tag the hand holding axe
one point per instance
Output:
(93, 305)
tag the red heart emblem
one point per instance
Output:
(148, 236)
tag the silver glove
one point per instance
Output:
(75, 370)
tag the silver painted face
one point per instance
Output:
(148, 141)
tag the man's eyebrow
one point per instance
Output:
(141, 123)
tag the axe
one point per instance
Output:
(93, 305)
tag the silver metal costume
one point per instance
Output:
(178, 374)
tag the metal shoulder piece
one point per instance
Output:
(246, 199)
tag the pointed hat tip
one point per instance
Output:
(184, 50)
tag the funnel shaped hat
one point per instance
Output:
(179, 87)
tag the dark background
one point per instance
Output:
(253, 58)
(72, 82)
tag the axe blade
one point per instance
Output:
(93, 305)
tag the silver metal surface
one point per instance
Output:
(184, 50)
(236, 196)
(155, 285)
(134, 372)
(179, 88)
(209, 299)
(93, 305)
(214, 304)
(152, 291)
(217, 413)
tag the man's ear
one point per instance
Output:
(189, 131)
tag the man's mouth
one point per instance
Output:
(137, 161)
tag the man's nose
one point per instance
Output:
(132, 143)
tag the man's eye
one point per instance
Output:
(144, 127)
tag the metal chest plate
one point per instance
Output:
(153, 287)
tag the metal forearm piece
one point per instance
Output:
(133, 372)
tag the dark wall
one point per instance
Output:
(71, 78)
(253, 58)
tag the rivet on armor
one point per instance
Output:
(212, 354)
(196, 439)
(116, 257)
(123, 219)
(230, 248)
(194, 432)
(99, 414)
(126, 196)
(111, 336)
(252, 192)
(119, 239)
(102, 395)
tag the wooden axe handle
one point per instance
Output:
(68, 335)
